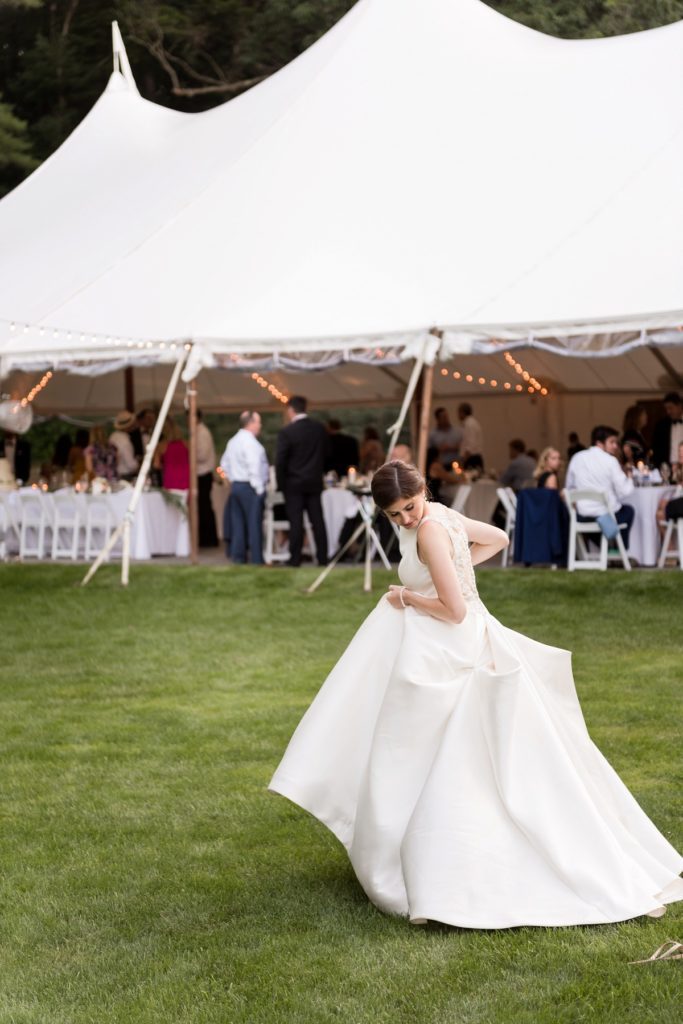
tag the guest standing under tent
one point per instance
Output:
(172, 459)
(472, 445)
(245, 464)
(299, 466)
(206, 464)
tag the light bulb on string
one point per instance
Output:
(271, 388)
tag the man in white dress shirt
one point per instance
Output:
(598, 469)
(245, 464)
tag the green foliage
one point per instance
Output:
(43, 437)
(149, 878)
(581, 19)
(15, 147)
(633, 15)
(353, 420)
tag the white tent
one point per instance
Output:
(426, 163)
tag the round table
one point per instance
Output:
(338, 505)
(645, 540)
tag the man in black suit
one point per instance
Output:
(342, 450)
(668, 433)
(18, 452)
(299, 467)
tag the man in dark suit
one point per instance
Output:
(299, 467)
(18, 452)
(342, 450)
(668, 432)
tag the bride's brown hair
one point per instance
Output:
(395, 480)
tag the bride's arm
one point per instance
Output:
(485, 540)
(437, 553)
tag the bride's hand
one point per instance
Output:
(394, 597)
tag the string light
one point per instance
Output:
(60, 332)
(275, 392)
(35, 391)
(534, 385)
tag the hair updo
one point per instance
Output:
(395, 480)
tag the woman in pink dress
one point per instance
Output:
(173, 459)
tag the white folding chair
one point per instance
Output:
(66, 527)
(272, 550)
(508, 500)
(35, 522)
(673, 526)
(579, 556)
(99, 524)
(461, 495)
(4, 530)
(11, 514)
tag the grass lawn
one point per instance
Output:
(147, 876)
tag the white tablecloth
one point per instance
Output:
(482, 500)
(159, 528)
(645, 539)
(338, 505)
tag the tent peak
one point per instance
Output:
(121, 62)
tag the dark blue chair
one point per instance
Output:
(542, 527)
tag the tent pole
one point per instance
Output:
(394, 432)
(395, 429)
(415, 408)
(125, 560)
(124, 528)
(129, 389)
(427, 386)
(192, 502)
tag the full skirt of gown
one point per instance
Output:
(454, 764)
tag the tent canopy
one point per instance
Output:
(640, 374)
(426, 163)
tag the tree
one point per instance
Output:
(581, 19)
(623, 16)
(221, 47)
(16, 158)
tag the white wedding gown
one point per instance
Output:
(454, 764)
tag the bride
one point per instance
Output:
(450, 756)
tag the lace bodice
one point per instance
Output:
(415, 575)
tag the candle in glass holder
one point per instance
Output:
(351, 474)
